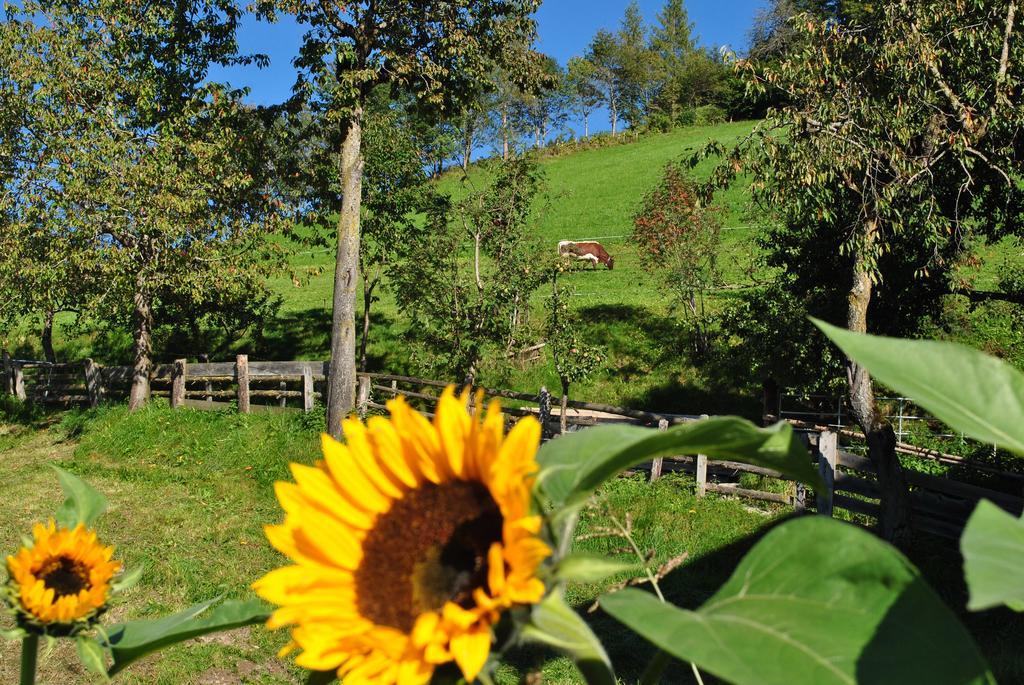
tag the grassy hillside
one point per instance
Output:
(591, 194)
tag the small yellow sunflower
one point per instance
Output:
(409, 542)
(63, 578)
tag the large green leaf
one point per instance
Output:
(967, 390)
(83, 504)
(135, 639)
(816, 601)
(574, 465)
(993, 549)
(556, 624)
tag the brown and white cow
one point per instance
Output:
(587, 251)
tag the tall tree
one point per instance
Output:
(886, 179)
(441, 51)
(637, 65)
(606, 57)
(160, 184)
(580, 83)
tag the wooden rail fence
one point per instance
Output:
(939, 505)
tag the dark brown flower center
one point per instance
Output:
(64, 576)
(429, 549)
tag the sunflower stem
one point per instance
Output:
(29, 656)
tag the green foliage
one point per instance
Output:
(815, 601)
(83, 505)
(679, 239)
(984, 398)
(555, 624)
(154, 194)
(574, 359)
(575, 465)
(993, 549)
(467, 287)
(967, 390)
(133, 640)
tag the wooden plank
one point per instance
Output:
(289, 369)
(116, 375)
(745, 468)
(363, 395)
(202, 370)
(658, 463)
(736, 491)
(18, 375)
(943, 529)
(828, 455)
(965, 490)
(860, 486)
(93, 382)
(855, 505)
(242, 374)
(855, 462)
(178, 383)
(702, 475)
(307, 390)
(208, 384)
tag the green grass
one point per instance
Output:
(191, 491)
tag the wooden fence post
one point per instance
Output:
(93, 382)
(363, 399)
(8, 371)
(18, 379)
(544, 411)
(307, 389)
(178, 383)
(828, 455)
(242, 374)
(658, 463)
(205, 359)
(702, 470)
(282, 401)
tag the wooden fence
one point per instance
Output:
(939, 505)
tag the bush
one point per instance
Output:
(708, 115)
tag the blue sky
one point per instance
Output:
(566, 27)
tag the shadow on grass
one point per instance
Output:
(688, 587)
(638, 343)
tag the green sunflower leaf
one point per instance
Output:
(582, 568)
(574, 465)
(90, 653)
(83, 504)
(993, 550)
(815, 601)
(135, 639)
(556, 624)
(128, 579)
(967, 390)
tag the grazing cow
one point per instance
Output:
(588, 252)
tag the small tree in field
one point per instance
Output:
(679, 240)
(574, 360)
(467, 284)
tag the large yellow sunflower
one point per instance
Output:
(409, 542)
(63, 577)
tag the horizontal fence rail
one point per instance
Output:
(939, 505)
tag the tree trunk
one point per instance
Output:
(143, 314)
(342, 378)
(615, 116)
(504, 133)
(562, 423)
(894, 517)
(367, 302)
(47, 336)
(586, 126)
(467, 150)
